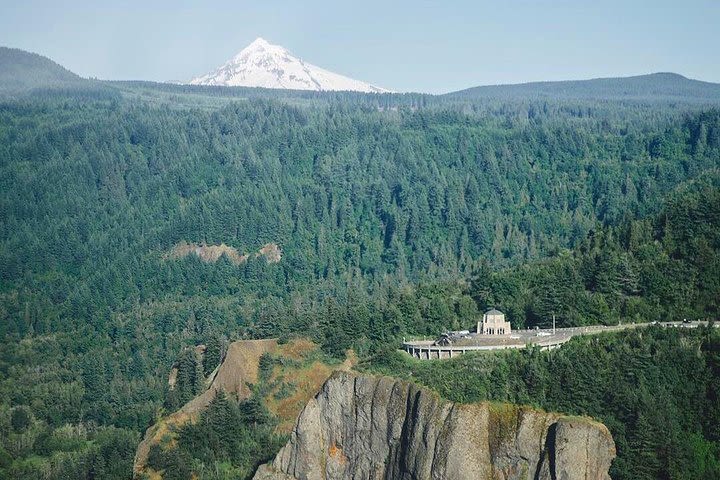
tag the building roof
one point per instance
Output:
(494, 312)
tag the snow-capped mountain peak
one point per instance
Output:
(258, 48)
(262, 64)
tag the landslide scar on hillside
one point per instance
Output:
(212, 253)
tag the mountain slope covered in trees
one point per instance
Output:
(21, 71)
(653, 269)
(396, 215)
(655, 87)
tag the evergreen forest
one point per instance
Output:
(396, 215)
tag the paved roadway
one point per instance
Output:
(545, 338)
(562, 335)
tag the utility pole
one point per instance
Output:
(553, 324)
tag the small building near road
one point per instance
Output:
(493, 323)
(449, 338)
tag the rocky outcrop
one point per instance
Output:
(364, 427)
(239, 368)
(271, 252)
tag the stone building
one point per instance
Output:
(493, 323)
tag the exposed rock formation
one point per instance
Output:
(363, 427)
(212, 253)
(240, 367)
(271, 252)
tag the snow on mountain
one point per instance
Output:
(262, 64)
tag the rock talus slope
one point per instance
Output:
(365, 427)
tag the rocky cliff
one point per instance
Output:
(364, 427)
(298, 369)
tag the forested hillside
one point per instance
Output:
(656, 87)
(21, 71)
(395, 215)
(653, 269)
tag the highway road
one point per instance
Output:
(457, 344)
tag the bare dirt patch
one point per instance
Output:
(212, 253)
(271, 252)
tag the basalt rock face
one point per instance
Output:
(364, 427)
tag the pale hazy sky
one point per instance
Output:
(401, 45)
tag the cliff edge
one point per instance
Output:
(299, 372)
(366, 427)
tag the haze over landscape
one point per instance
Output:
(477, 240)
(402, 46)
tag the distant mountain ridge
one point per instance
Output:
(265, 66)
(262, 64)
(658, 86)
(21, 70)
